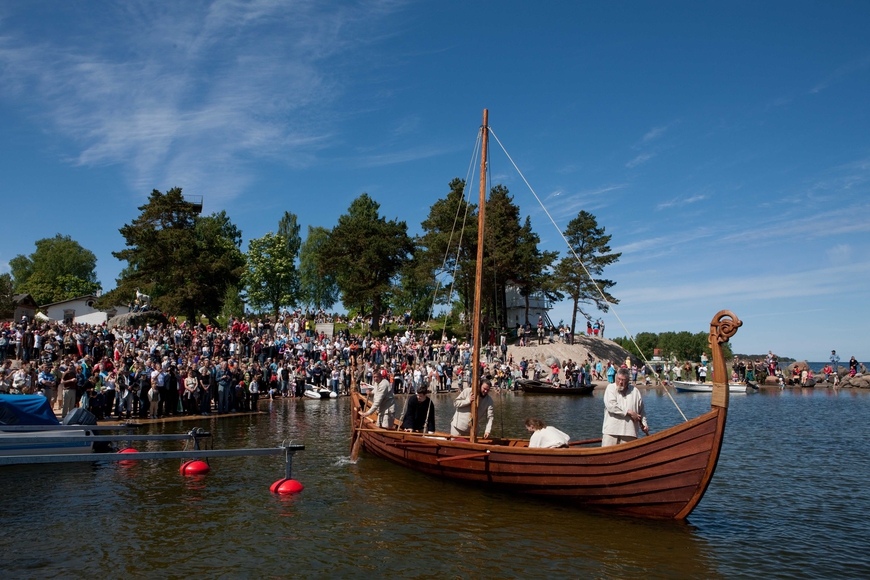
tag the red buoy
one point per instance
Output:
(195, 467)
(127, 463)
(286, 487)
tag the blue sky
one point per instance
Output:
(725, 146)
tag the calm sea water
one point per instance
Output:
(789, 500)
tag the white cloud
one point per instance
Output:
(180, 96)
(840, 253)
(842, 71)
(403, 156)
(566, 205)
(681, 201)
(642, 158)
(654, 132)
(818, 282)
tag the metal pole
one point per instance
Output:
(144, 456)
(288, 462)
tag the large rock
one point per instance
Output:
(859, 381)
(136, 319)
(599, 348)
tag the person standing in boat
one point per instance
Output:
(420, 413)
(545, 437)
(384, 402)
(461, 424)
(624, 415)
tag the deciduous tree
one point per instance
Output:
(272, 280)
(6, 295)
(59, 269)
(316, 290)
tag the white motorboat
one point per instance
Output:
(313, 392)
(696, 387)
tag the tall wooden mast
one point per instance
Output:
(478, 277)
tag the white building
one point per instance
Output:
(516, 307)
(81, 310)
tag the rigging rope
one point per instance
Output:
(468, 175)
(594, 283)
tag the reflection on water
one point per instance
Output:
(786, 501)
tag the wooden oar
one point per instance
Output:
(354, 452)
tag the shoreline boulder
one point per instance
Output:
(138, 319)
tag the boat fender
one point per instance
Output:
(286, 487)
(127, 463)
(194, 467)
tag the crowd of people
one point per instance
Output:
(181, 368)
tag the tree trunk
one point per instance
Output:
(527, 308)
(376, 313)
(574, 319)
(502, 308)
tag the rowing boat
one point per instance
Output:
(534, 387)
(663, 475)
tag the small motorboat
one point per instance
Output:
(696, 387)
(313, 392)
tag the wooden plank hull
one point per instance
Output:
(661, 476)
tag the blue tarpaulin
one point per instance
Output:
(29, 409)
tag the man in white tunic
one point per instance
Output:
(624, 416)
(545, 436)
(384, 403)
(461, 424)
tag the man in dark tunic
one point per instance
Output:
(420, 413)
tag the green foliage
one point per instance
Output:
(272, 280)
(6, 294)
(365, 252)
(501, 256)
(682, 346)
(233, 305)
(591, 245)
(533, 267)
(45, 291)
(511, 255)
(414, 291)
(59, 269)
(183, 261)
(316, 290)
(447, 249)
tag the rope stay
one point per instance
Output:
(465, 192)
(594, 283)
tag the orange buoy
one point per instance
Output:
(195, 467)
(127, 463)
(286, 487)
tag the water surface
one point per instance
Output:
(787, 501)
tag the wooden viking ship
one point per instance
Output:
(663, 475)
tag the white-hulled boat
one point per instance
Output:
(313, 392)
(696, 387)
